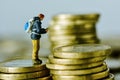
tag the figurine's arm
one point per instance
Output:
(40, 30)
(43, 31)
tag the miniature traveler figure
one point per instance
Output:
(36, 30)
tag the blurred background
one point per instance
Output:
(15, 43)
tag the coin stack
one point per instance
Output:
(69, 29)
(23, 69)
(80, 62)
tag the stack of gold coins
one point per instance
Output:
(80, 62)
(24, 69)
(69, 29)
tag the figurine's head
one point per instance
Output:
(41, 16)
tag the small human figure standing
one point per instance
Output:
(36, 32)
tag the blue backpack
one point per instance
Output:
(28, 26)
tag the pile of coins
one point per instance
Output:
(80, 62)
(23, 69)
(69, 29)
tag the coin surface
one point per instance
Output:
(55, 44)
(21, 66)
(28, 75)
(43, 78)
(82, 51)
(72, 61)
(75, 27)
(62, 41)
(111, 77)
(79, 72)
(72, 67)
(73, 37)
(65, 32)
(95, 76)
(93, 16)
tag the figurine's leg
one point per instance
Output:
(35, 56)
(35, 49)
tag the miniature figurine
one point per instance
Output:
(36, 31)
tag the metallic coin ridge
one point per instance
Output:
(72, 67)
(74, 61)
(21, 69)
(25, 75)
(79, 72)
(95, 76)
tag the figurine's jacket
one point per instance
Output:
(37, 30)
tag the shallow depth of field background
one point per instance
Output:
(15, 43)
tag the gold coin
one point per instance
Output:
(72, 67)
(43, 78)
(65, 42)
(100, 75)
(79, 72)
(29, 75)
(75, 61)
(71, 22)
(82, 51)
(95, 76)
(21, 66)
(55, 44)
(71, 33)
(74, 26)
(72, 37)
(89, 41)
(93, 16)
(111, 77)
(75, 31)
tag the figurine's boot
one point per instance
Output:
(36, 47)
(37, 61)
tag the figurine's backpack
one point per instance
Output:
(28, 26)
